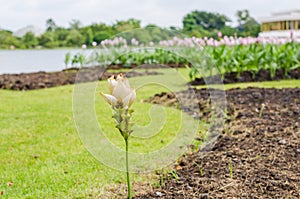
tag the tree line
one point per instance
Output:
(196, 23)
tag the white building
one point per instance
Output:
(281, 25)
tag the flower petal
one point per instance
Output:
(133, 97)
(128, 100)
(112, 83)
(110, 99)
(121, 91)
(123, 79)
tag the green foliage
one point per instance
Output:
(74, 38)
(130, 24)
(150, 33)
(30, 40)
(143, 56)
(67, 59)
(88, 35)
(100, 36)
(50, 25)
(205, 20)
(7, 40)
(77, 60)
(253, 58)
(248, 26)
(201, 23)
(48, 40)
(75, 24)
(212, 59)
(251, 27)
(196, 23)
(243, 16)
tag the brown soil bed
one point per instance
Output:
(118, 67)
(39, 80)
(262, 75)
(254, 157)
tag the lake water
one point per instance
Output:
(24, 61)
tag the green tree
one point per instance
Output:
(61, 35)
(243, 16)
(251, 27)
(248, 26)
(75, 24)
(88, 35)
(50, 25)
(30, 41)
(74, 38)
(204, 20)
(127, 25)
(7, 40)
(102, 31)
(102, 35)
(48, 40)
(227, 30)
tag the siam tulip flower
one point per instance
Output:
(84, 46)
(216, 43)
(244, 42)
(94, 44)
(122, 40)
(103, 43)
(121, 95)
(134, 42)
(171, 43)
(295, 40)
(111, 42)
(116, 41)
(292, 34)
(151, 43)
(259, 40)
(220, 34)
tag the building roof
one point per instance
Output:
(282, 16)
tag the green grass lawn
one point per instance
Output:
(42, 154)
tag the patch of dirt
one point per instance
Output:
(262, 75)
(39, 80)
(256, 156)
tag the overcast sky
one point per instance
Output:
(15, 14)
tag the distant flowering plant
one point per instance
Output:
(121, 98)
(84, 46)
(94, 44)
(220, 34)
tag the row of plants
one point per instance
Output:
(255, 57)
(226, 54)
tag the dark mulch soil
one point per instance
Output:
(39, 80)
(262, 75)
(120, 66)
(263, 152)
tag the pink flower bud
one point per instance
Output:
(220, 34)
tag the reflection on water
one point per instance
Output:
(23, 61)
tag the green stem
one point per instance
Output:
(127, 171)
